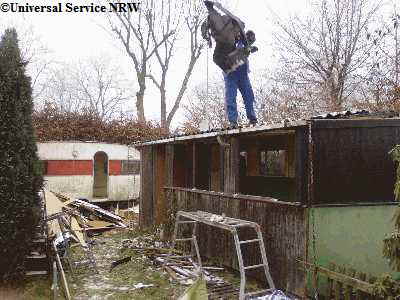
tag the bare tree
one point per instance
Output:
(275, 101)
(384, 76)
(152, 34)
(35, 53)
(324, 51)
(94, 85)
(205, 106)
(60, 90)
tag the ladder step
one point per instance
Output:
(36, 256)
(177, 256)
(249, 241)
(262, 292)
(184, 240)
(254, 267)
(36, 273)
(186, 222)
(39, 240)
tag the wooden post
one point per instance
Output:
(360, 295)
(331, 287)
(301, 165)
(180, 164)
(235, 164)
(188, 169)
(159, 183)
(169, 165)
(194, 161)
(253, 161)
(231, 167)
(226, 169)
(215, 167)
(222, 168)
(146, 187)
(349, 289)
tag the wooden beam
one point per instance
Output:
(344, 279)
(236, 196)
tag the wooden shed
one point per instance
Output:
(321, 189)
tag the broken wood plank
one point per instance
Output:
(171, 273)
(120, 262)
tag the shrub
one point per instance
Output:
(20, 179)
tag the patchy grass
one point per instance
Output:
(37, 289)
(31, 289)
(117, 284)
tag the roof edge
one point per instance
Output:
(236, 131)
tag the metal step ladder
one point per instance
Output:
(232, 225)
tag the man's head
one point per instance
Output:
(250, 36)
(209, 5)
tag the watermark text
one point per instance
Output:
(69, 7)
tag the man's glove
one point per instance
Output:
(253, 49)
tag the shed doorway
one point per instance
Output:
(100, 175)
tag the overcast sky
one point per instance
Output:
(72, 37)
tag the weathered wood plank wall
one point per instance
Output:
(351, 161)
(283, 226)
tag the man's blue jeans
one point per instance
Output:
(239, 79)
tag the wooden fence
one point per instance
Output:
(283, 225)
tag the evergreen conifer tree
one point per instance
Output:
(20, 178)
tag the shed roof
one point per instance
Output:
(286, 124)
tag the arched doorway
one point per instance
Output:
(100, 175)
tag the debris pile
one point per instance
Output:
(180, 268)
(74, 221)
(94, 217)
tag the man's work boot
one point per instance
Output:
(233, 125)
(253, 122)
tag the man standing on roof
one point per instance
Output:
(231, 52)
